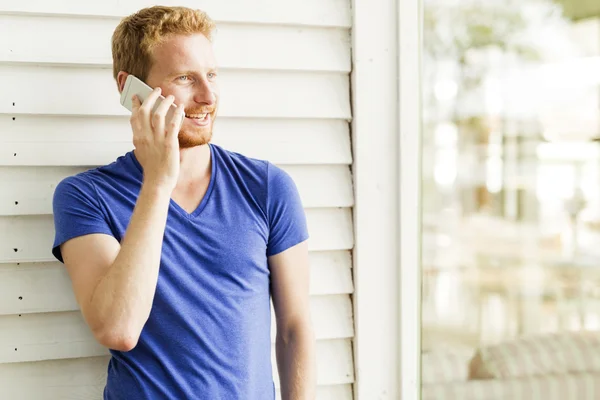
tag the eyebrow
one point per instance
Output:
(189, 72)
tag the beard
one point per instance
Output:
(191, 135)
(194, 137)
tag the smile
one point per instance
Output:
(196, 116)
(199, 119)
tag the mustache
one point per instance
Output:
(203, 110)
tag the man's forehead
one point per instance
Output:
(192, 52)
(185, 44)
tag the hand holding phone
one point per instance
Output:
(135, 86)
(155, 122)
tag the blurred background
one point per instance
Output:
(511, 170)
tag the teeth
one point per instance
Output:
(196, 116)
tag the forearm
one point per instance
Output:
(122, 300)
(297, 364)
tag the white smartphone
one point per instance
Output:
(133, 85)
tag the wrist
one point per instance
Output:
(157, 189)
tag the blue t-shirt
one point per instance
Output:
(208, 334)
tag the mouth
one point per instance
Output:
(199, 119)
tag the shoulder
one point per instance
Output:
(236, 160)
(269, 175)
(251, 173)
(256, 166)
(269, 183)
(74, 191)
(85, 183)
(81, 182)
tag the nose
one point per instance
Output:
(204, 93)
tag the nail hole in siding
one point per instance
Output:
(14, 119)
(16, 250)
(13, 104)
(20, 297)
(16, 203)
(15, 349)
(15, 154)
(19, 315)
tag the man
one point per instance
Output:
(175, 249)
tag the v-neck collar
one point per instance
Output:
(205, 198)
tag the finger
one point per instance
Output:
(135, 108)
(148, 104)
(159, 115)
(135, 103)
(147, 107)
(175, 123)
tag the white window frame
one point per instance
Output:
(386, 137)
(410, 45)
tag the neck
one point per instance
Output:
(195, 164)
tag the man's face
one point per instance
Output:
(185, 67)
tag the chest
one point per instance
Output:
(189, 196)
(222, 246)
(223, 249)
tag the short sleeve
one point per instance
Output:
(76, 212)
(287, 220)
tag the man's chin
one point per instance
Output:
(188, 140)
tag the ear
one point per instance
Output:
(121, 78)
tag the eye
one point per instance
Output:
(212, 75)
(183, 78)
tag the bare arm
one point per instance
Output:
(114, 283)
(295, 342)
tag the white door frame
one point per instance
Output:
(386, 160)
(410, 17)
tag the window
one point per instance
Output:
(510, 175)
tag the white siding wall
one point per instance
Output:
(285, 97)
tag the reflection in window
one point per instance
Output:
(511, 171)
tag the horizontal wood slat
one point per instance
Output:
(331, 317)
(28, 128)
(331, 392)
(50, 336)
(308, 12)
(91, 141)
(29, 190)
(334, 274)
(30, 238)
(334, 366)
(334, 362)
(55, 377)
(94, 392)
(88, 91)
(236, 46)
(46, 287)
